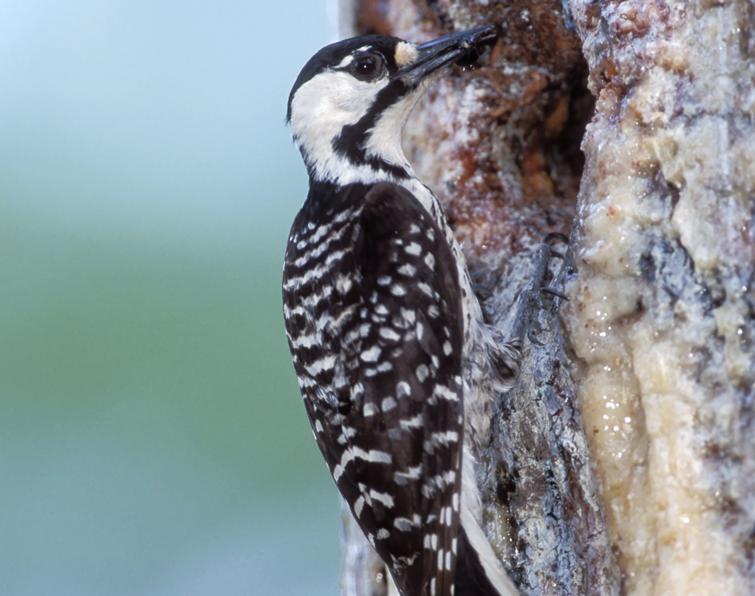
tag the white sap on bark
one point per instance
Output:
(624, 461)
(661, 316)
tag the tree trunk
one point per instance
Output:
(624, 459)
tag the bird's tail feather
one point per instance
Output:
(478, 570)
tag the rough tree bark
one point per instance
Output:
(624, 460)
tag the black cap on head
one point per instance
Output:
(333, 54)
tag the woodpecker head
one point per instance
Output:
(348, 106)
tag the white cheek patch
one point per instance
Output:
(320, 109)
(406, 53)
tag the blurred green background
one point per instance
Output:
(152, 439)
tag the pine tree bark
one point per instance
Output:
(624, 460)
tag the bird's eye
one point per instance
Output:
(367, 67)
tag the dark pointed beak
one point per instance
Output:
(463, 47)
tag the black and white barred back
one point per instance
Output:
(373, 316)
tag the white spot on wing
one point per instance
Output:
(390, 334)
(358, 505)
(413, 249)
(413, 422)
(388, 404)
(371, 355)
(384, 498)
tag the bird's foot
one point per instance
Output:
(543, 292)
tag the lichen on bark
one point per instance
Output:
(624, 460)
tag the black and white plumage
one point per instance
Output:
(388, 341)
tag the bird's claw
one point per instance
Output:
(526, 323)
(555, 293)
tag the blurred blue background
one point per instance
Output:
(152, 439)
